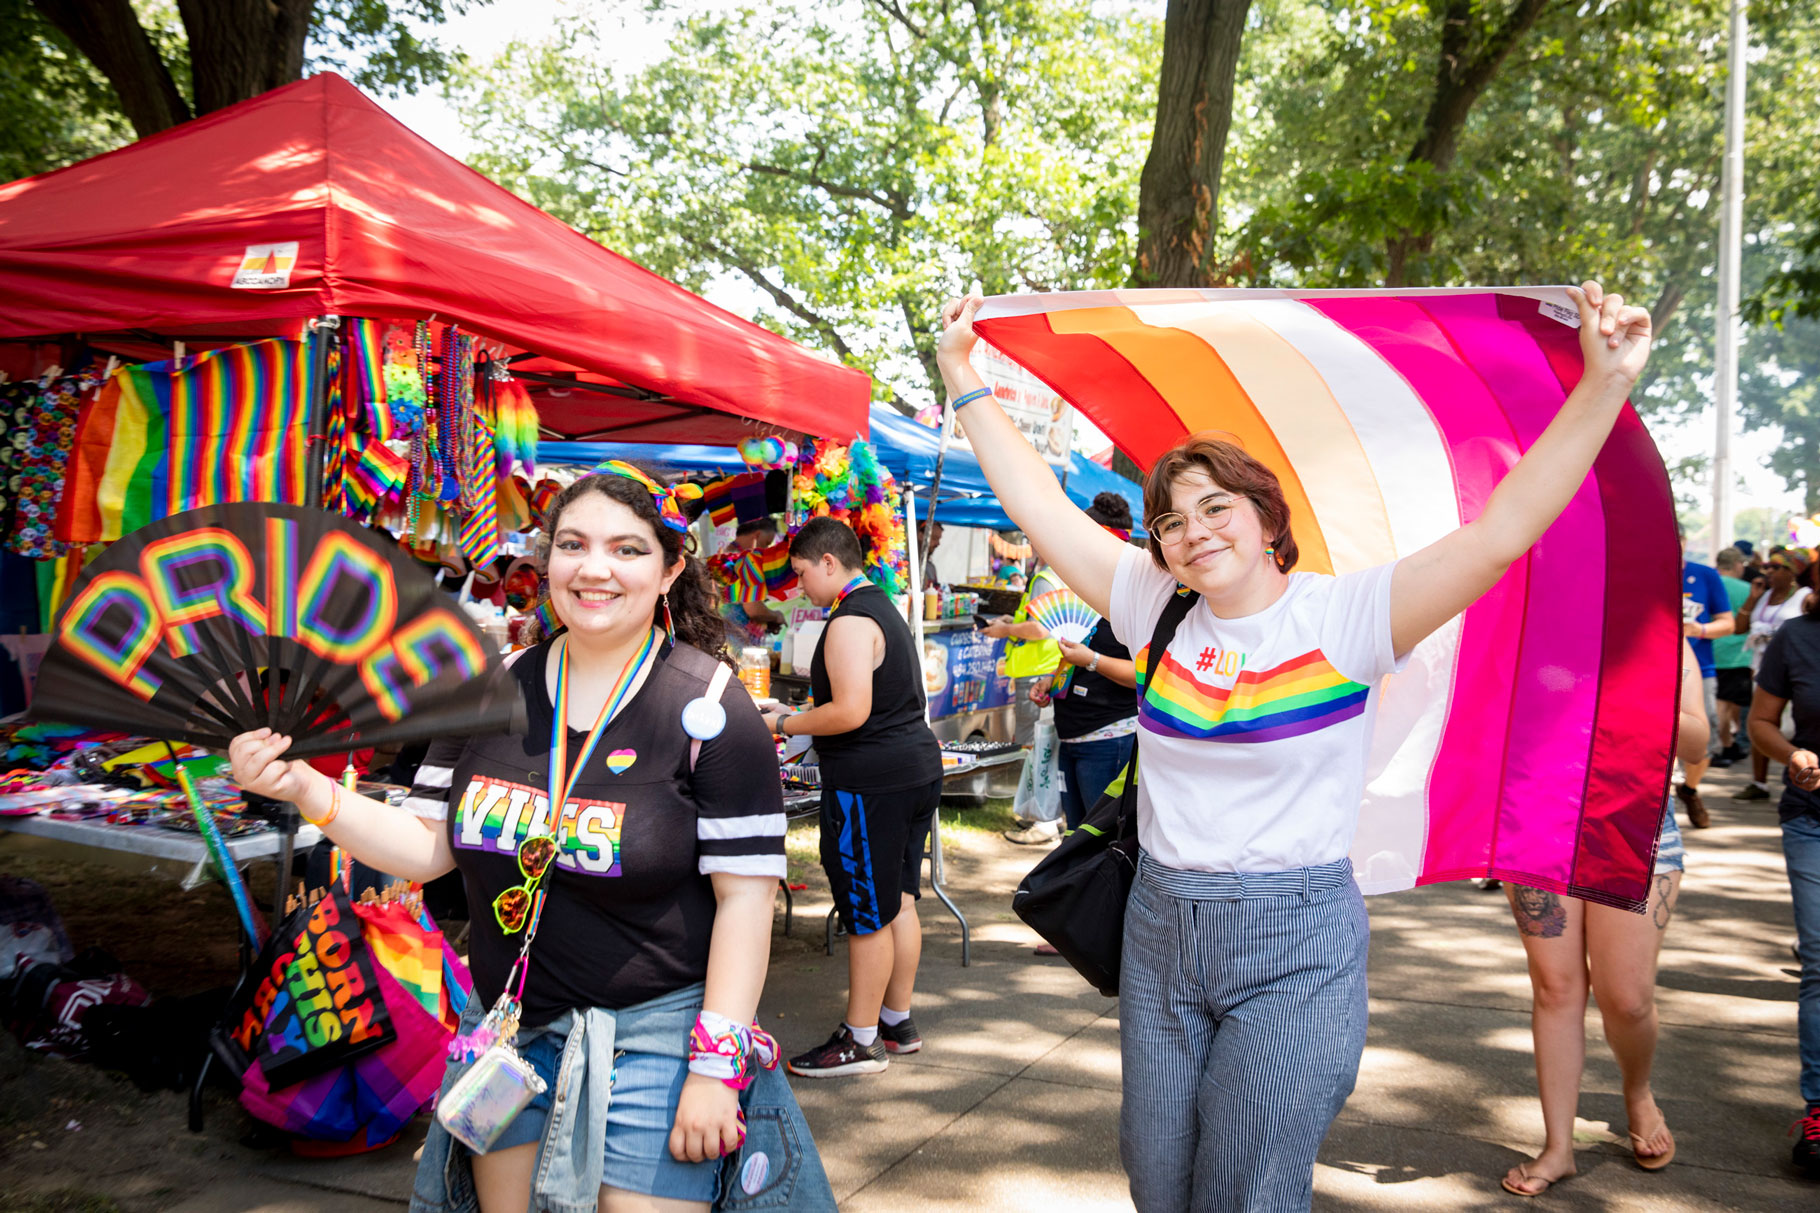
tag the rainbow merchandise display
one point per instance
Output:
(419, 986)
(38, 430)
(236, 617)
(1521, 742)
(767, 454)
(159, 439)
(761, 572)
(737, 498)
(849, 483)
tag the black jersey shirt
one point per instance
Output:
(629, 907)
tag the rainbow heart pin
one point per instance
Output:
(620, 760)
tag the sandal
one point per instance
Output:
(1523, 1171)
(1046, 949)
(1653, 1162)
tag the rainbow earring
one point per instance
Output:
(1270, 551)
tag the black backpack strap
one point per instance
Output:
(1174, 611)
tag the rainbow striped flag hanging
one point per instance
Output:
(1530, 738)
(229, 426)
(480, 537)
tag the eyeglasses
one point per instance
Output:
(1214, 512)
(513, 907)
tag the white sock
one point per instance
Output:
(864, 1036)
(1760, 783)
(891, 1018)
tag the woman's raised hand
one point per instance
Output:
(958, 337)
(257, 766)
(1614, 338)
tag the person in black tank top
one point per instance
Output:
(881, 781)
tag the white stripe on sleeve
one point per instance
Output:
(429, 810)
(743, 865)
(751, 825)
(433, 777)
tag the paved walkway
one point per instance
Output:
(1013, 1105)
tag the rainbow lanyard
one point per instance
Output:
(858, 583)
(559, 726)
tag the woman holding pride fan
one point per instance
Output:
(1243, 993)
(627, 932)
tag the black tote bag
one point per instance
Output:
(1075, 898)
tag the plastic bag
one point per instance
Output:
(1039, 788)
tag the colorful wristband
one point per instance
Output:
(961, 402)
(720, 1048)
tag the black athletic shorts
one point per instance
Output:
(1735, 685)
(872, 850)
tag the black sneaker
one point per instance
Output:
(1807, 1150)
(901, 1037)
(1752, 791)
(842, 1055)
(1733, 753)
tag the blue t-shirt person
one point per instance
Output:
(1702, 585)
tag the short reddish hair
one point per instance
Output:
(1233, 470)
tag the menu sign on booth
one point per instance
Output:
(1044, 419)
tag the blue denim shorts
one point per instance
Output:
(637, 1149)
(1670, 854)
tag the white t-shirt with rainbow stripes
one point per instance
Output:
(1254, 736)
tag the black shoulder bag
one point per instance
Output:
(1075, 898)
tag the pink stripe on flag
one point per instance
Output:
(1556, 689)
(1463, 788)
(1634, 732)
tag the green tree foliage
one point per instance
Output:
(1593, 149)
(852, 163)
(78, 77)
(54, 106)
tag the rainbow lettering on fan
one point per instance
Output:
(229, 592)
(119, 622)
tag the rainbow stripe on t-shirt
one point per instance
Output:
(1299, 696)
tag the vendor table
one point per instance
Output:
(155, 844)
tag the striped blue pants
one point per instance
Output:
(1242, 1008)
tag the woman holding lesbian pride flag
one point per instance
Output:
(620, 939)
(1242, 988)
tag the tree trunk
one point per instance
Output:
(241, 48)
(1179, 193)
(1470, 57)
(109, 34)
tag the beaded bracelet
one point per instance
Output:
(961, 402)
(720, 1048)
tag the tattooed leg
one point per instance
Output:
(1554, 940)
(1539, 912)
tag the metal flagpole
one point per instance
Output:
(941, 457)
(1731, 250)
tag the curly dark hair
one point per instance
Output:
(1110, 509)
(694, 605)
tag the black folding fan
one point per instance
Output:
(236, 617)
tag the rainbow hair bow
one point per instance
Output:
(668, 500)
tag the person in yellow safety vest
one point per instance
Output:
(1031, 659)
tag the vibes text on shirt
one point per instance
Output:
(496, 815)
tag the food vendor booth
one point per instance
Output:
(298, 301)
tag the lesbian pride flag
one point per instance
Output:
(1529, 739)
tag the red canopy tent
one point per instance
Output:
(318, 202)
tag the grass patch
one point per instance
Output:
(62, 1200)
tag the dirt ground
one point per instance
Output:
(77, 1139)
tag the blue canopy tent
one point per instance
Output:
(903, 445)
